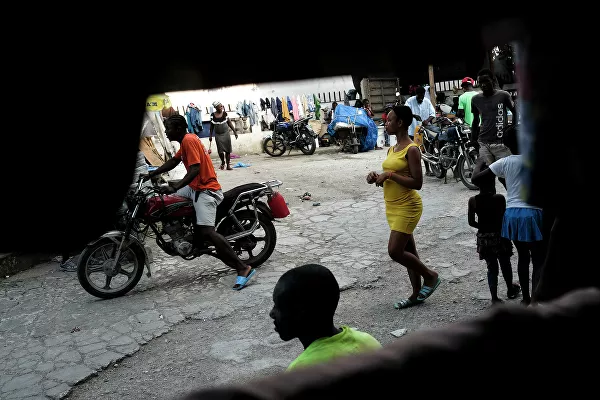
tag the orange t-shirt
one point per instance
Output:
(193, 152)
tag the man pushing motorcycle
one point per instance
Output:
(201, 186)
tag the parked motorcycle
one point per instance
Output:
(448, 147)
(118, 257)
(292, 135)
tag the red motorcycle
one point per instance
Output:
(118, 257)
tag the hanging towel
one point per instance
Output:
(295, 109)
(301, 113)
(285, 110)
(304, 104)
(317, 107)
(289, 102)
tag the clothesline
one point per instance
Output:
(285, 108)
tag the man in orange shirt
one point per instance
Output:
(201, 186)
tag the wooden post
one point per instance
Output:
(382, 95)
(431, 85)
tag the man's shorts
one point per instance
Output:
(205, 205)
(493, 151)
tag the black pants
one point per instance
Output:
(493, 271)
(529, 251)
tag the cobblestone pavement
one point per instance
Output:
(193, 330)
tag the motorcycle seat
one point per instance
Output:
(431, 134)
(230, 196)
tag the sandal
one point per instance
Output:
(229, 168)
(407, 303)
(222, 167)
(513, 292)
(242, 281)
(427, 291)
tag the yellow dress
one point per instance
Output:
(403, 206)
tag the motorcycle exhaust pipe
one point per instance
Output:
(430, 159)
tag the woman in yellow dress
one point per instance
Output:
(401, 178)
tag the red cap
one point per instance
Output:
(468, 80)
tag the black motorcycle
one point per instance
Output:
(446, 145)
(291, 135)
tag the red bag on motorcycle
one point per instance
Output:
(278, 206)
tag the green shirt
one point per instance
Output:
(464, 103)
(348, 341)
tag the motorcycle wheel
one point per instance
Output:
(464, 172)
(274, 148)
(438, 171)
(249, 243)
(308, 146)
(99, 258)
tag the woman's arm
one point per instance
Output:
(415, 179)
(471, 213)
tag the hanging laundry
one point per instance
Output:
(301, 113)
(295, 109)
(249, 112)
(310, 103)
(317, 107)
(427, 93)
(285, 110)
(239, 108)
(263, 105)
(267, 102)
(256, 112)
(277, 107)
(304, 105)
(289, 103)
(194, 119)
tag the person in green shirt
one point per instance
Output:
(464, 100)
(305, 300)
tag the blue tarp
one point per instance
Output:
(357, 116)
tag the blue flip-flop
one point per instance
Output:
(242, 281)
(427, 291)
(407, 303)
